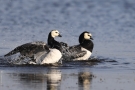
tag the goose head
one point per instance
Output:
(55, 33)
(52, 42)
(85, 36)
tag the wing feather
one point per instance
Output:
(29, 49)
(73, 52)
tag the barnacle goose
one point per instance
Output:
(84, 50)
(39, 50)
(55, 52)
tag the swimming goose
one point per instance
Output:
(55, 52)
(84, 50)
(37, 50)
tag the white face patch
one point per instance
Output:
(87, 35)
(55, 33)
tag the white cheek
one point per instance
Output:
(57, 34)
(53, 34)
(86, 37)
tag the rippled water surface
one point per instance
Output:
(111, 22)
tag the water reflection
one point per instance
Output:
(53, 80)
(45, 81)
(84, 80)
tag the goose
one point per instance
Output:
(83, 50)
(55, 52)
(39, 50)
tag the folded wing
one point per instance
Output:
(73, 52)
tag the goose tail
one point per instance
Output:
(12, 52)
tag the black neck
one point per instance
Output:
(87, 44)
(53, 43)
(50, 40)
(81, 38)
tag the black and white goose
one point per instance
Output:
(55, 50)
(40, 50)
(84, 50)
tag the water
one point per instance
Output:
(111, 23)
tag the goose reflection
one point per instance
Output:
(84, 80)
(42, 81)
(53, 80)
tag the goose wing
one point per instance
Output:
(73, 52)
(76, 51)
(38, 57)
(64, 44)
(29, 49)
(77, 55)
